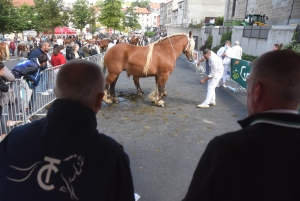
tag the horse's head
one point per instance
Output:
(188, 50)
(78, 165)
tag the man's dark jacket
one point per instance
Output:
(64, 157)
(36, 53)
(261, 162)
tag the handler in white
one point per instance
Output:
(226, 53)
(213, 78)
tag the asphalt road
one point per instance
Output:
(165, 144)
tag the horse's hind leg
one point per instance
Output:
(112, 90)
(139, 91)
(106, 97)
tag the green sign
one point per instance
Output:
(240, 70)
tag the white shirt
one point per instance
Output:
(215, 65)
(59, 41)
(229, 52)
(238, 51)
(110, 45)
(97, 48)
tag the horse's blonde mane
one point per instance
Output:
(150, 51)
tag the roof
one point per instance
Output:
(154, 5)
(142, 10)
(20, 2)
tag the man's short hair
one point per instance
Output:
(80, 81)
(43, 58)
(42, 43)
(237, 42)
(206, 51)
(279, 71)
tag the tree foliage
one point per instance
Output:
(112, 15)
(219, 21)
(99, 3)
(25, 18)
(48, 14)
(80, 14)
(141, 4)
(92, 19)
(131, 19)
(7, 13)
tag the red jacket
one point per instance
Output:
(12, 45)
(58, 60)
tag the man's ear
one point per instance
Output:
(259, 92)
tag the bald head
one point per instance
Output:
(81, 81)
(277, 75)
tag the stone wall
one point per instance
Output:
(252, 46)
(278, 11)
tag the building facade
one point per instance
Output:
(185, 12)
(279, 12)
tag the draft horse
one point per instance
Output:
(135, 40)
(4, 50)
(158, 60)
(104, 44)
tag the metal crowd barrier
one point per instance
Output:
(23, 102)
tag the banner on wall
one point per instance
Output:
(240, 70)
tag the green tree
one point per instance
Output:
(48, 14)
(131, 19)
(25, 18)
(81, 14)
(7, 15)
(141, 4)
(112, 15)
(100, 3)
(92, 20)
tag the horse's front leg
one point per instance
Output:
(160, 102)
(139, 91)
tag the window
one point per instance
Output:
(233, 7)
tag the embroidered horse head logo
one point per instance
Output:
(74, 165)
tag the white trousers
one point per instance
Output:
(211, 94)
(226, 68)
(25, 92)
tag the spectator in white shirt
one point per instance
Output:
(238, 51)
(226, 53)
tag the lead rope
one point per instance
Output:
(173, 51)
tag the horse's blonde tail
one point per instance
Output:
(7, 52)
(149, 59)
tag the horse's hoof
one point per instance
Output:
(163, 105)
(107, 101)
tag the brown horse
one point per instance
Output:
(68, 41)
(158, 60)
(104, 44)
(20, 48)
(134, 40)
(4, 50)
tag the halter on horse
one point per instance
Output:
(158, 59)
